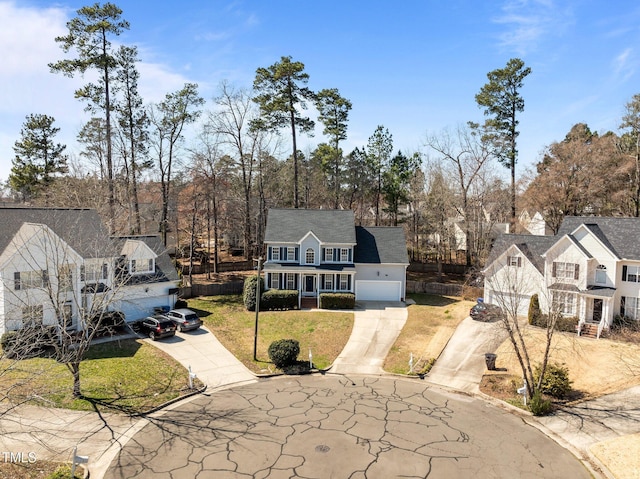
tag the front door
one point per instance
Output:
(597, 310)
(309, 285)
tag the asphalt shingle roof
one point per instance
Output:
(532, 246)
(291, 225)
(380, 244)
(621, 235)
(82, 229)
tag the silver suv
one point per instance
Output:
(184, 319)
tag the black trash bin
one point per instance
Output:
(490, 359)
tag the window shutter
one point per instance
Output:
(622, 301)
(508, 260)
(82, 272)
(519, 262)
(350, 252)
(16, 280)
(297, 254)
(283, 253)
(553, 270)
(349, 282)
(269, 253)
(624, 273)
(45, 278)
(105, 271)
(576, 273)
(336, 252)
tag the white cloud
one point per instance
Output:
(530, 22)
(624, 65)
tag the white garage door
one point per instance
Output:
(378, 290)
(509, 300)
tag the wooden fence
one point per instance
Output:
(235, 287)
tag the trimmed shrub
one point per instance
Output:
(556, 382)
(249, 292)
(281, 299)
(7, 342)
(534, 310)
(337, 300)
(284, 352)
(538, 405)
(567, 324)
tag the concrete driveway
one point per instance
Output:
(462, 364)
(201, 351)
(376, 327)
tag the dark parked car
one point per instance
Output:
(184, 319)
(485, 312)
(157, 327)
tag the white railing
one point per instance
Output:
(600, 328)
(581, 323)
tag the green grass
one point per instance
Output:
(324, 332)
(125, 376)
(430, 324)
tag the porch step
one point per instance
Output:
(308, 303)
(589, 330)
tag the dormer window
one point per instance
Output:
(291, 253)
(275, 254)
(344, 255)
(328, 254)
(141, 266)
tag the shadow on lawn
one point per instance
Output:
(424, 299)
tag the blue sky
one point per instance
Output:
(412, 66)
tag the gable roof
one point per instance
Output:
(291, 225)
(532, 247)
(620, 235)
(380, 244)
(165, 271)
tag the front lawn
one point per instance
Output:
(430, 324)
(325, 333)
(121, 376)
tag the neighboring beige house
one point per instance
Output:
(58, 266)
(590, 269)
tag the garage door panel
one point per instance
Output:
(378, 290)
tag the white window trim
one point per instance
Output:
(275, 253)
(291, 253)
(328, 281)
(310, 252)
(291, 280)
(330, 256)
(133, 266)
(344, 282)
(274, 281)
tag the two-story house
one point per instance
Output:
(58, 265)
(316, 251)
(590, 269)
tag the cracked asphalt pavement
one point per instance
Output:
(337, 426)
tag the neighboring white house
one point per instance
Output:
(590, 269)
(58, 265)
(316, 251)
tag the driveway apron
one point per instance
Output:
(375, 329)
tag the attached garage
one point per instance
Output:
(378, 290)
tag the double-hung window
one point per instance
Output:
(563, 270)
(275, 254)
(564, 303)
(344, 282)
(631, 274)
(328, 281)
(630, 307)
(273, 281)
(291, 254)
(344, 255)
(328, 254)
(30, 279)
(291, 281)
(514, 261)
